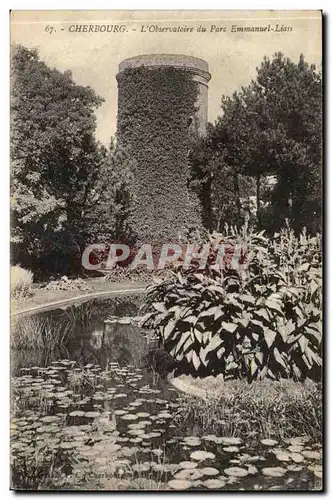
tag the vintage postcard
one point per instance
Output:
(166, 250)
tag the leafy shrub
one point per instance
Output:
(65, 283)
(20, 282)
(261, 321)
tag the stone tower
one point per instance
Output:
(162, 106)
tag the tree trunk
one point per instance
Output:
(207, 203)
(258, 185)
(280, 201)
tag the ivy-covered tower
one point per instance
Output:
(162, 106)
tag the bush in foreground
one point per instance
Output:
(20, 282)
(250, 323)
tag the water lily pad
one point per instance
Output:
(122, 439)
(129, 416)
(85, 427)
(202, 455)
(119, 412)
(18, 445)
(68, 445)
(188, 474)
(142, 414)
(295, 448)
(214, 484)
(45, 428)
(294, 468)
(231, 449)
(297, 440)
(212, 438)
(136, 432)
(136, 426)
(158, 452)
(269, 442)
(252, 469)
(152, 435)
(274, 471)
(283, 457)
(109, 448)
(316, 467)
(92, 414)
(230, 440)
(170, 467)
(135, 440)
(77, 413)
(99, 397)
(314, 455)
(128, 452)
(179, 484)
(81, 438)
(192, 441)
(236, 472)
(209, 471)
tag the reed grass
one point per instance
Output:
(263, 409)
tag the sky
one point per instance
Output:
(232, 56)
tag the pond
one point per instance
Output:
(90, 412)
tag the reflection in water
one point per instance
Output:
(90, 406)
(85, 336)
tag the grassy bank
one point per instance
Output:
(40, 296)
(262, 409)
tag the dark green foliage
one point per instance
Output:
(155, 110)
(272, 126)
(106, 217)
(225, 194)
(53, 154)
(263, 321)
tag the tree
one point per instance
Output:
(290, 96)
(225, 192)
(109, 202)
(56, 163)
(274, 126)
